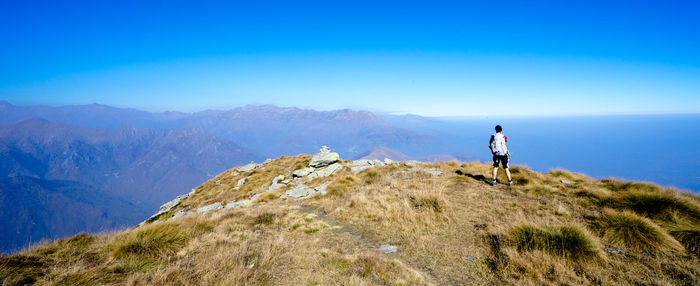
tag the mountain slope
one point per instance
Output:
(429, 224)
(141, 166)
(33, 209)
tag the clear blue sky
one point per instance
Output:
(432, 58)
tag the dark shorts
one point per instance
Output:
(503, 160)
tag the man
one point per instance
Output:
(497, 144)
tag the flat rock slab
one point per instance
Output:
(335, 167)
(181, 213)
(567, 182)
(302, 172)
(322, 160)
(388, 248)
(301, 191)
(211, 207)
(239, 184)
(612, 250)
(166, 207)
(247, 168)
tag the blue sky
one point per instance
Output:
(434, 58)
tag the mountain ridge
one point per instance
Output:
(390, 223)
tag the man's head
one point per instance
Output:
(498, 128)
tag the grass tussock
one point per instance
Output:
(431, 202)
(653, 205)
(157, 240)
(570, 242)
(264, 218)
(618, 186)
(689, 238)
(628, 230)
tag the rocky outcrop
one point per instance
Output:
(276, 183)
(181, 213)
(166, 207)
(324, 158)
(301, 191)
(325, 172)
(361, 165)
(211, 207)
(247, 168)
(239, 184)
(411, 163)
(302, 172)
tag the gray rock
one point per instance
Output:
(211, 207)
(411, 163)
(275, 183)
(567, 182)
(358, 169)
(254, 197)
(166, 207)
(388, 161)
(361, 163)
(324, 158)
(322, 188)
(247, 168)
(377, 163)
(325, 172)
(302, 172)
(239, 184)
(268, 160)
(469, 259)
(286, 182)
(612, 250)
(388, 248)
(434, 172)
(235, 204)
(301, 191)
(181, 213)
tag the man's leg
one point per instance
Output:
(508, 174)
(495, 172)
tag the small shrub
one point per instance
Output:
(429, 202)
(634, 232)
(265, 218)
(567, 241)
(311, 230)
(367, 266)
(370, 177)
(690, 238)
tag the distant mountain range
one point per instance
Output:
(381, 152)
(121, 160)
(269, 130)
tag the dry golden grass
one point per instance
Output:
(450, 229)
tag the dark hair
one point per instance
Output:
(499, 128)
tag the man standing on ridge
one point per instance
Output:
(497, 144)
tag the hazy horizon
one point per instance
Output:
(427, 58)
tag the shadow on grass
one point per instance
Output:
(481, 178)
